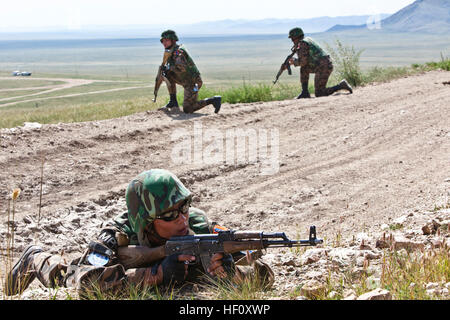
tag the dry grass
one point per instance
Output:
(7, 251)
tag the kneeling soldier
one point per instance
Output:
(313, 59)
(181, 69)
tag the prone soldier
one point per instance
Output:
(159, 208)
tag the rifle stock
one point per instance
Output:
(139, 256)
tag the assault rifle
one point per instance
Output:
(158, 81)
(161, 76)
(285, 65)
(204, 246)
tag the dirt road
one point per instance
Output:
(347, 163)
(68, 83)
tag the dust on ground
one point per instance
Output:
(347, 164)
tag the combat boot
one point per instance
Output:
(345, 86)
(264, 273)
(216, 102)
(305, 92)
(258, 271)
(22, 273)
(173, 102)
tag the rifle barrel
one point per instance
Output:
(291, 243)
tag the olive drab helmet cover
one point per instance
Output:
(151, 194)
(169, 34)
(296, 33)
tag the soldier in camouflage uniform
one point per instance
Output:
(158, 209)
(181, 69)
(313, 59)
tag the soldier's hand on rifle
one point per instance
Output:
(174, 269)
(221, 265)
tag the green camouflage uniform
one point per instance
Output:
(53, 271)
(181, 69)
(144, 205)
(313, 59)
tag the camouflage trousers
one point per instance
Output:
(54, 271)
(190, 102)
(322, 73)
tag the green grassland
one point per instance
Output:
(83, 89)
(239, 68)
(16, 93)
(16, 82)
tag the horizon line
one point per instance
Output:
(110, 27)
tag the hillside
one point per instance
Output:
(422, 16)
(431, 16)
(347, 164)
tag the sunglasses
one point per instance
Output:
(174, 214)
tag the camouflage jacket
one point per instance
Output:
(309, 54)
(181, 68)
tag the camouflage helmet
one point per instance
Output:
(296, 33)
(169, 34)
(151, 194)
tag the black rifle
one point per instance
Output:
(205, 246)
(285, 65)
(161, 76)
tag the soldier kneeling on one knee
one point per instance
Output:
(313, 59)
(181, 69)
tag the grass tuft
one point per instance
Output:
(346, 63)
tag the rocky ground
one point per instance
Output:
(353, 165)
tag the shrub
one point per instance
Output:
(346, 63)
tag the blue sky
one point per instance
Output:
(17, 15)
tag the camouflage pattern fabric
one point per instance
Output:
(322, 74)
(296, 33)
(191, 102)
(169, 34)
(310, 54)
(313, 59)
(182, 70)
(198, 224)
(49, 269)
(54, 271)
(149, 195)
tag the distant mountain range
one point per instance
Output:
(422, 16)
(222, 27)
(272, 26)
